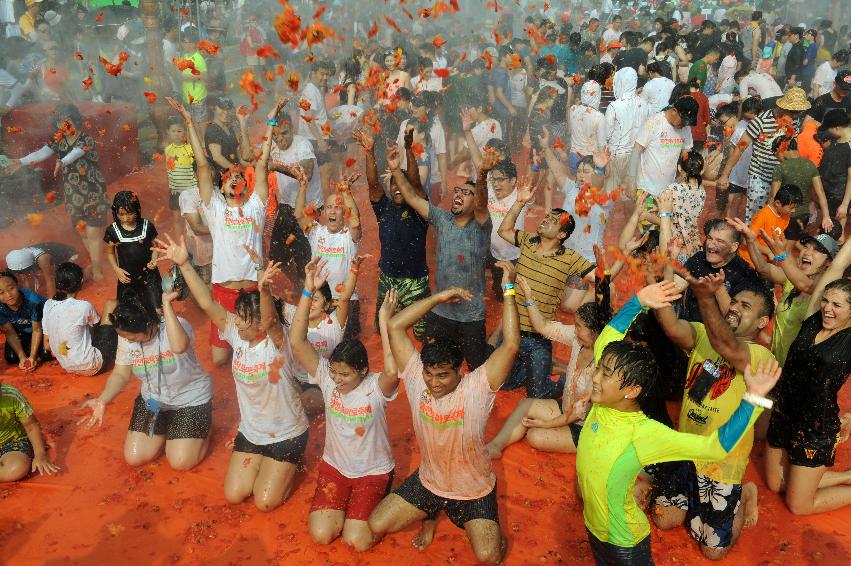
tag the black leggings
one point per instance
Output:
(26, 341)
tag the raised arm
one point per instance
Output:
(389, 379)
(261, 168)
(343, 302)
(500, 362)
(770, 272)
(177, 253)
(507, 230)
(561, 172)
(418, 203)
(481, 203)
(178, 339)
(721, 337)
(203, 170)
(270, 322)
(397, 328)
(367, 142)
(304, 220)
(344, 189)
(467, 125)
(789, 269)
(834, 272)
(413, 173)
(314, 276)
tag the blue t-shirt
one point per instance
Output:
(402, 233)
(500, 79)
(30, 311)
(812, 55)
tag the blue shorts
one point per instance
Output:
(23, 445)
(710, 505)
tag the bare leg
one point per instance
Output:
(393, 514)
(845, 427)
(186, 453)
(241, 475)
(776, 468)
(750, 504)
(325, 525)
(513, 430)
(667, 518)
(14, 466)
(486, 539)
(425, 535)
(92, 242)
(806, 496)
(140, 449)
(551, 439)
(274, 483)
(356, 534)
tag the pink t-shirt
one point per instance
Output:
(451, 433)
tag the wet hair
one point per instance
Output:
(593, 316)
(405, 93)
(727, 110)
(692, 165)
(791, 144)
(655, 67)
(68, 112)
(841, 57)
(843, 285)
(635, 364)
(10, 275)
(759, 289)
(247, 306)
(507, 168)
(714, 223)
(69, 280)
(788, 194)
(134, 313)
(568, 227)
(752, 104)
(351, 352)
(442, 351)
(680, 90)
(351, 70)
(325, 290)
(127, 200)
(175, 121)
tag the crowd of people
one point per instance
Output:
(724, 142)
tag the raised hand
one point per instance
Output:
(168, 249)
(364, 138)
(741, 227)
(636, 242)
(358, 260)
(184, 113)
(526, 192)
(408, 138)
(602, 156)
(763, 380)
(659, 295)
(272, 269)
(775, 242)
(706, 285)
(489, 159)
(393, 158)
(508, 271)
(315, 274)
(346, 182)
(273, 113)
(827, 224)
(388, 306)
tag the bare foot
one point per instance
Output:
(750, 502)
(494, 452)
(426, 534)
(844, 427)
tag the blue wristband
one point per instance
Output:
(307, 293)
(536, 167)
(508, 286)
(272, 122)
(666, 214)
(528, 304)
(781, 257)
(599, 170)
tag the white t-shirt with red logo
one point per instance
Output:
(498, 209)
(174, 380)
(230, 228)
(67, 324)
(662, 145)
(451, 433)
(324, 338)
(356, 439)
(338, 249)
(270, 409)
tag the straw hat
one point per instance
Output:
(795, 100)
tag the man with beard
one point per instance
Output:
(463, 242)
(720, 252)
(709, 496)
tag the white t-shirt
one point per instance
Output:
(498, 209)
(589, 229)
(739, 173)
(270, 410)
(299, 150)
(67, 323)
(587, 129)
(824, 77)
(324, 338)
(759, 84)
(611, 36)
(432, 83)
(663, 145)
(356, 438)
(338, 250)
(175, 380)
(200, 246)
(230, 228)
(657, 92)
(311, 94)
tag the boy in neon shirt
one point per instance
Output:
(619, 440)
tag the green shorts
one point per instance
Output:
(409, 291)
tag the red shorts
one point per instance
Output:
(227, 298)
(357, 497)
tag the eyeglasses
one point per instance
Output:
(498, 179)
(463, 191)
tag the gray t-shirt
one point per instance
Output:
(461, 256)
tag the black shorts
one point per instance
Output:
(23, 445)
(289, 450)
(186, 422)
(737, 189)
(105, 339)
(459, 511)
(807, 448)
(575, 430)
